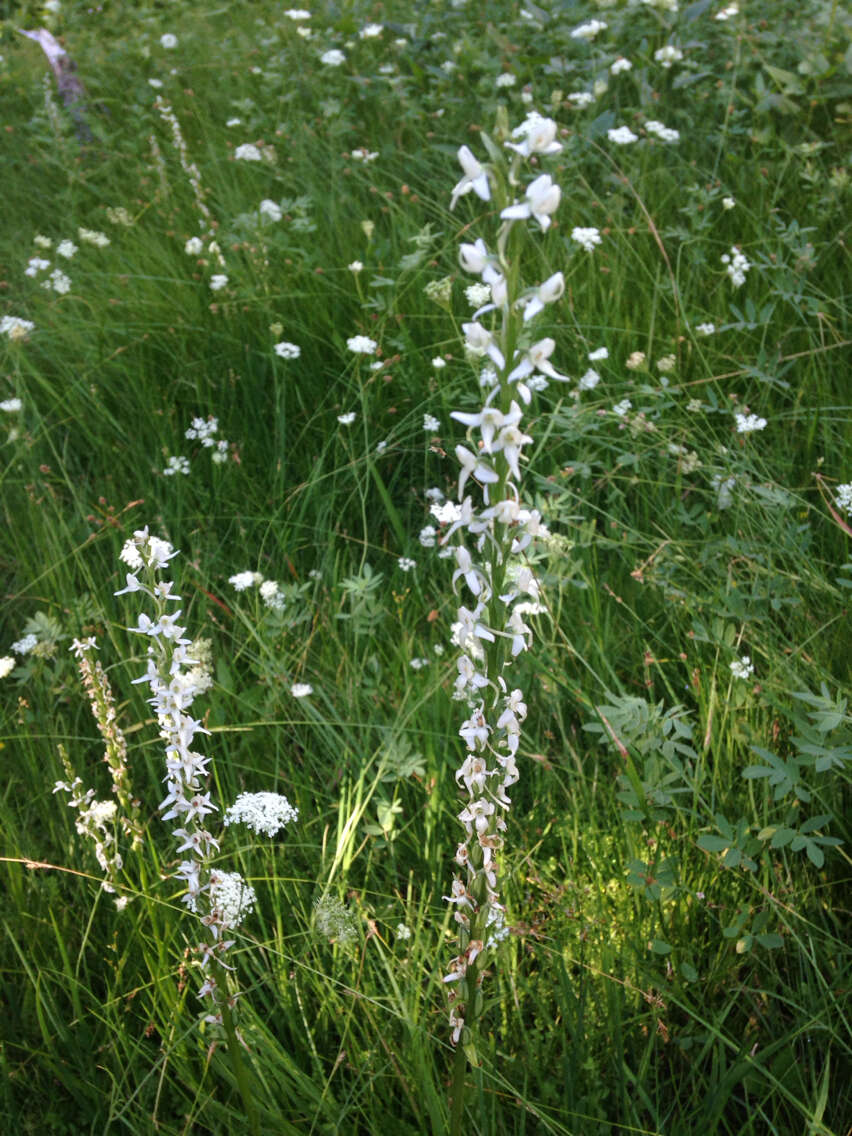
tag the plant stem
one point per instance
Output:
(238, 1063)
(457, 1106)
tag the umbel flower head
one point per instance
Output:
(265, 813)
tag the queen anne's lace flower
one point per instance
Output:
(15, 327)
(749, 423)
(286, 350)
(248, 152)
(270, 209)
(622, 135)
(586, 238)
(231, 898)
(263, 813)
(362, 345)
(843, 498)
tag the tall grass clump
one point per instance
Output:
(513, 530)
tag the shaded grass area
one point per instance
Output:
(677, 961)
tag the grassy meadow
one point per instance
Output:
(231, 310)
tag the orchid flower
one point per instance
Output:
(475, 178)
(542, 199)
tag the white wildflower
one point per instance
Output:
(25, 645)
(668, 55)
(270, 209)
(843, 498)
(230, 897)
(475, 178)
(93, 237)
(742, 668)
(248, 152)
(244, 580)
(589, 381)
(15, 328)
(362, 345)
(622, 135)
(264, 813)
(59, 282)
(664, 133)
(542, 200)
(736, 266)
(589, 30)
(287, 350)
(587, 238)
(749, 423)
(538, 136)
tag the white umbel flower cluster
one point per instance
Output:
(737, 265)
(486, 535)
(265, 813)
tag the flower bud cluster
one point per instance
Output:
(100, 693)
(492, 530)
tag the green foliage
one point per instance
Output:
(678, 849)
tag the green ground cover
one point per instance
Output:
(676, 862)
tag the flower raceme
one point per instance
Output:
(490, 529)
(173, 675)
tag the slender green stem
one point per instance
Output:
(457, 1106)
(238, 1063)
